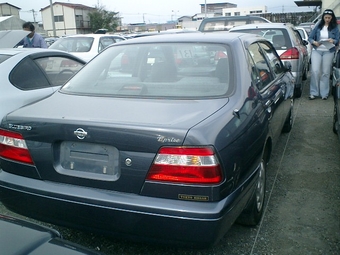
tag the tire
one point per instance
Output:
(335, 120)
(287, 126)
(252, 214)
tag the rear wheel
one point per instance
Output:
(253, 212)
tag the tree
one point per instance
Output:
(101, 18)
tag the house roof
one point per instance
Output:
(74, 6)
(11, 5)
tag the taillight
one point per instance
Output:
(292, 53)
(192, 165)
(13, 147)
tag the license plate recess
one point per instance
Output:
(86, 160)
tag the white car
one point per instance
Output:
(85, 46)
(30, 74)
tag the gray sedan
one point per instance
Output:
(159, 138)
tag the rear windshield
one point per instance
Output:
(278, 37)
(73, 44)
(3, 57)
(183, 70)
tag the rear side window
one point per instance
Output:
(58, 69)
(105, 42)
(261, 73)
(27, 75)
(43, 72)
(163, 70)
(272, 58)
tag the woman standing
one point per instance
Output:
(324, 37)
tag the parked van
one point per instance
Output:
(224, 23)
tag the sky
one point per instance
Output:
(152, 11)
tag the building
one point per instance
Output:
(7, 9)
(9, 17)
(244, 11)
(68, 19)
(216, 8)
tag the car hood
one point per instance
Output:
(10, 38)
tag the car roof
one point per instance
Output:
(262, 25)
(37, 51)
(235, 18)
(94, 35)
(218, 37)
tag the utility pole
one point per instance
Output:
(52, 17)
(33, 11)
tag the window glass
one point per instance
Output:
(260, 70)
(58, 69)
(104, 42)
(273, 59)
(278, 37)
(183, 70)
(73, 44)
(27, 75)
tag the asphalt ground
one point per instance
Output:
(302, 208)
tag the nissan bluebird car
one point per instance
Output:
(169, 140)
(289, 45)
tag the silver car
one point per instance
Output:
(288, 44)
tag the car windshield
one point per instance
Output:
(182, 70)
(73, 44)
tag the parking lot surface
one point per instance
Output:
(302, 213)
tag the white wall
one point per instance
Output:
(245, 10)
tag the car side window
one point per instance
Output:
(273, 59)
(261, 73)
(58, 69)
(105, 42)
(27, 75)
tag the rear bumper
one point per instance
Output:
(129, 215)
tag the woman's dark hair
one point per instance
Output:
(332, 23)
(28, 25)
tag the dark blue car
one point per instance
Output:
(161, 138)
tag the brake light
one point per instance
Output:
(13, 147)
(292, 53)
(194, 165)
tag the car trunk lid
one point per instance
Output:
(101, 142)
